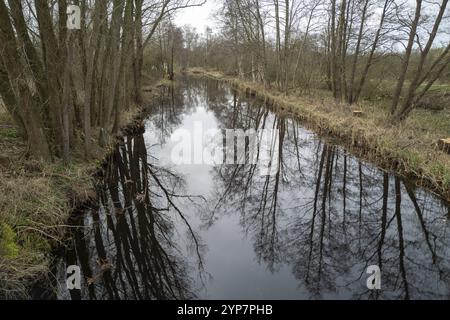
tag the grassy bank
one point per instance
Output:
(410, 147)
(36, 200)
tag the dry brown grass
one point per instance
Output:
(409, 147)
(33, 209)
(35, 202)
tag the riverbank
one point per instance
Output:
(36, 200)
(410, 148)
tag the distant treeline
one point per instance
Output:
(354, 48)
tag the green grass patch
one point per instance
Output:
(8, 133)
(9, 249)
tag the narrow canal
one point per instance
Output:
(305, 224)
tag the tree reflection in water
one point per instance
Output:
(326, 215)
(329, 215)
(124, 244)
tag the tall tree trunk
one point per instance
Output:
(93, 53)
(350, 94)
(25, 105)
(53, 70)
(406, 58)
(374, 46)
(138, 58)
(113, 64)
(277, 42)
(407, 105)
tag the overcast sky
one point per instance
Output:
(198, 17)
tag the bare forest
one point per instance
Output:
(95, 93)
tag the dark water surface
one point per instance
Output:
(167, 231)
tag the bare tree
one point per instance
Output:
(422, 75)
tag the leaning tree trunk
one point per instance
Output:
(406, 58)
(20, 100)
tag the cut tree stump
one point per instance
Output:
(444, 145)
(357, 113)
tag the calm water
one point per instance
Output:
(167, 231)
